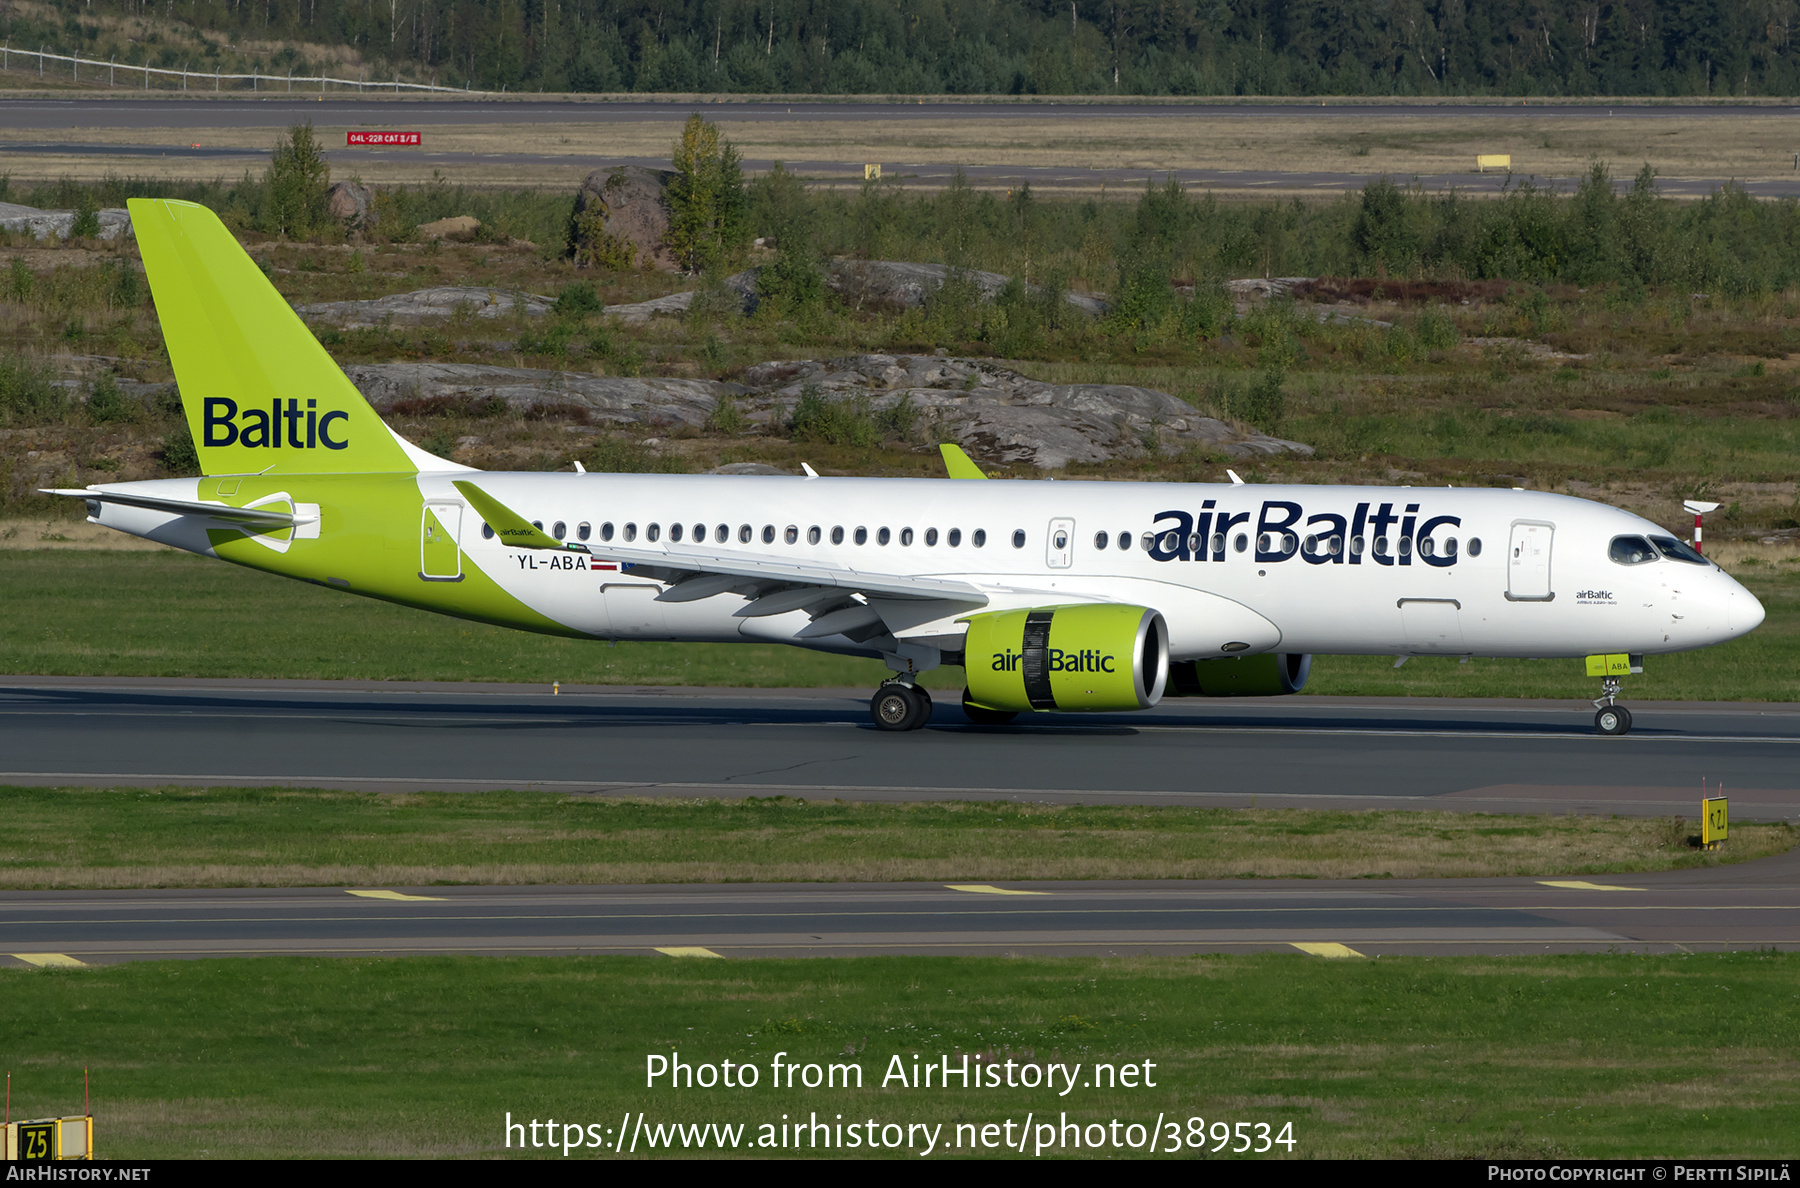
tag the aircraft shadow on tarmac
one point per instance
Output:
(527, 710)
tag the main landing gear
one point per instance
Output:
(900, 705)
(1608, 717)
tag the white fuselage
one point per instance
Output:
(1234, 569)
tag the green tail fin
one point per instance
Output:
(260, 392)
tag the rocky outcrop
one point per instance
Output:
(42, 224)
(992, 412)
(427, 303)
(895, 284)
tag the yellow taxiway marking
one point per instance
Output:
(984, 889)
(1325, 948)
(688, 951)
(54, 959)
(1578, 885)
(398, 895)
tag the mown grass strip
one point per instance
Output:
(259, 837)
(1598, 1056)
(176, 615)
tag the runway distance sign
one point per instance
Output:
(1713, 821)
(355, 138)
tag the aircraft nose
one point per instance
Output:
(1743, 612)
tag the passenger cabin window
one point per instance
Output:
(881, 536)
(583, 531)
(814, 535)
(559, 530)
(1242, 542)
(745, 532)
(1218, 543)
(699, 533)
(954, 538)
(721, 533)
(630, 533)
(1018, 538)
(862, 536)
(1100, 539)
(1474, 546)
(768, 534)
(905, 536)
(674, 532)
(837, 534)
(978, 537)
(538, 524)
(930, 537)
(653, 532)
(1674, 550)
(487, 531)
(792, 535)
(606, 530)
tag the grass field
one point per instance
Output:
(86, 612)
(179, 837)
(1592, 1056)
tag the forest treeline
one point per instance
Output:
(1044, 47)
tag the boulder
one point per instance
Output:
(621, 219)
(992, 412)
(454, 227)
(348, 202)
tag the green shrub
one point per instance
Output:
(106, 405)
(27, 397)
(845, 422)
(87, 217)
(726, 417)
(579, 299)
(178, 453)
(1435, 329)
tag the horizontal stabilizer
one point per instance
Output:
(251, 517)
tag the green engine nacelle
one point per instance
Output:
(1269, 674)
(1084, 657)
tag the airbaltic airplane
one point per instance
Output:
(1051, 595)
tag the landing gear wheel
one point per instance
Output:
(1613, 719)
(980, 715)
(899, 707)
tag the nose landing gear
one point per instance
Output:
(1608, 717)
(900, 705)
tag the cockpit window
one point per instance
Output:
(1630, 550)
(1674, 550)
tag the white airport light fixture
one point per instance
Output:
(1699, 508)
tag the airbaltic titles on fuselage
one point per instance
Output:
(1283, 531)
(1281, 524)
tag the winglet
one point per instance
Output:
(959, 464)
(507, 524)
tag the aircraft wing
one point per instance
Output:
(709, 568)
(249, 517)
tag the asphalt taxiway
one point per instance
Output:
(1493, 756)
(1753, 906)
